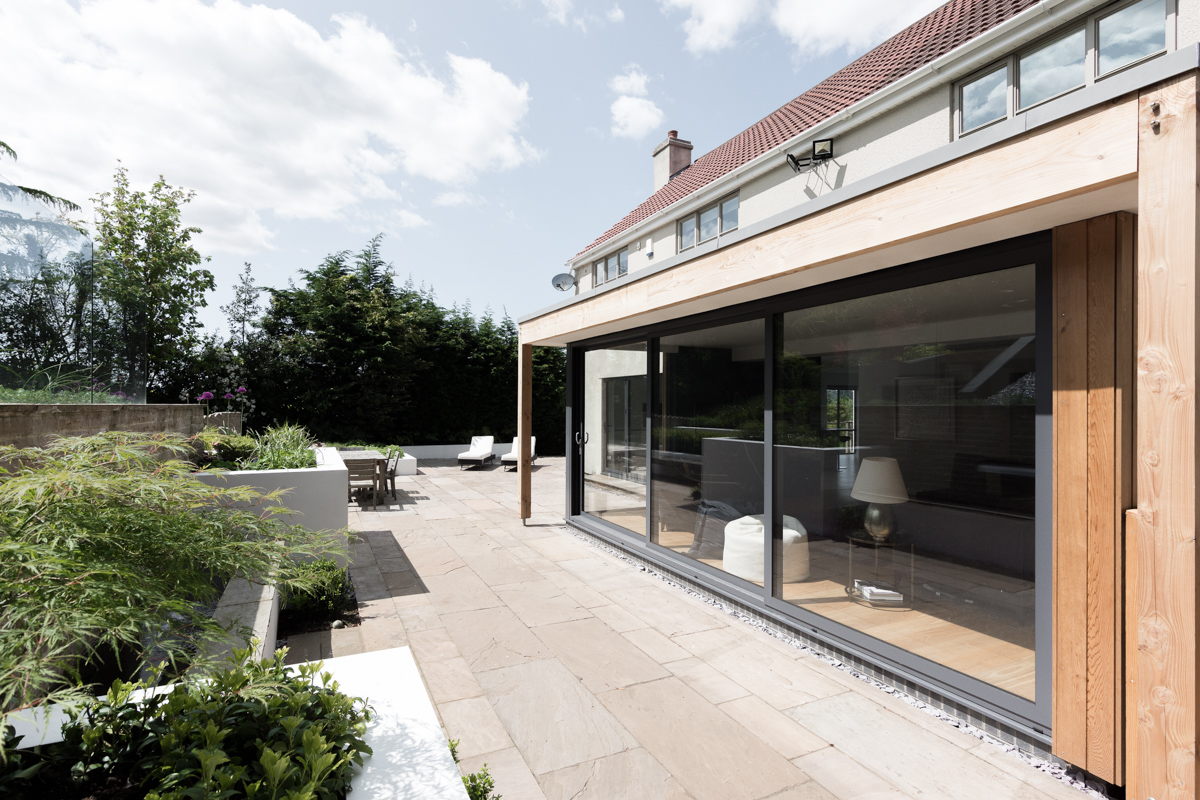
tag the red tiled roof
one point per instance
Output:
(954, 24)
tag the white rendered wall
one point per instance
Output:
(907, 132)
(1187, 22)
(317, 498)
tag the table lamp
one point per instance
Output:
(880, 484)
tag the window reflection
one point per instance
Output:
(904, 463)
(708, 223)
(1053, 69)
(687, 233)
(614, 435)
(985, 99)
(707, 447)
(1134, 32)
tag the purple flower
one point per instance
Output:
(205, 396)
(241, 390)
(121, 395)
(229, 395)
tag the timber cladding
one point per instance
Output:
(1162, 764)
(1093, 485)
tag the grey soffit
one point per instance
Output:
(1109, 89)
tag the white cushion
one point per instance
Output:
(480, 446)
(511, 455)
(743, 554)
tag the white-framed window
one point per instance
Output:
(610, 267)
(708, 223)
(1076, 55)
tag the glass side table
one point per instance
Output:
(880, 574)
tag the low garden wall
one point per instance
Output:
(317, 499)
(33, 425)
(451, 451)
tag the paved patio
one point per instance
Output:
(573, 674)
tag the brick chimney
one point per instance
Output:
(670, 156)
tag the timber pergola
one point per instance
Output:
(1124, 702)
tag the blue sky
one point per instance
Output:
(488, 141)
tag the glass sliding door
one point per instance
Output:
(707, 446)
(614, 435)
(904, 465)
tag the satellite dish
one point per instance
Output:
(563, 281)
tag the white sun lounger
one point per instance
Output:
(480, 452)
(509, 459)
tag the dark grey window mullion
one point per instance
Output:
(574, 425)
(769, 549)
(652, 399)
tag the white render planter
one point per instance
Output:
(407, 465)
(317, 496)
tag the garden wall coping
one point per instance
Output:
(412, 758)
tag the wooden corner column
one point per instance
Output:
(1093, 414)
(1162, 751)
(524, 428)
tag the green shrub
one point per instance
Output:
(105, 538)
(282, 447)
(324, 598)
(252, 729)
(480, 784)
(233, 448)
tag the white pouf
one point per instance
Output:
(744, 549)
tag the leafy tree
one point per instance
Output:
(338, 353)
(147, 270)
(352, 356)
(244, 309)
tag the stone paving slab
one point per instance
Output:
(573, 674)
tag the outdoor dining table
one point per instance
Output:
(367, 457)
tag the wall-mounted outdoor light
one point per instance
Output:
(822, 150)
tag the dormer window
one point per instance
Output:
(607, 269)
(708, 223)
(1075, 56)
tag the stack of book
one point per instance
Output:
(875, 594)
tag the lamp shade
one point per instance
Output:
(879, 481)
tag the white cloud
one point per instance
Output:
(454, 199)
(615, 14)
(250, 106)
(634, 117)
(632, 82)
(410, 219)
(558, 10)
(852, 26)
(713, 25)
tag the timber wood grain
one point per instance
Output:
(1093, 345)
(1102, 651)
(1070, 492)
(1132, 783)
(1166, 441)
(1124, 491)
(1087, 152)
